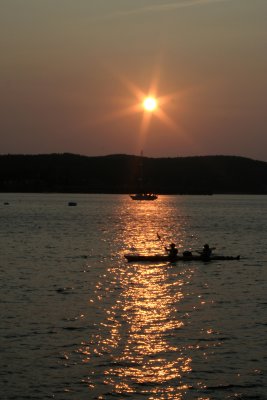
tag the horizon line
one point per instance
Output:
(127, 155)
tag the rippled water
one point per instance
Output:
(79, 322)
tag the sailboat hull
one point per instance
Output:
(144, 196)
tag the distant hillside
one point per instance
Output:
(72, 173)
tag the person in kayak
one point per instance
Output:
(207, 251)
(172, 250)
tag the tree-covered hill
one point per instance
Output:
(121, 174)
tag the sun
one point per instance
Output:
(150, 104)
(147, 102)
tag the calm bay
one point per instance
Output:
(80, 322)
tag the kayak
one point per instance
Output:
(165, 257)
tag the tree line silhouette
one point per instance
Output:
(71, 173)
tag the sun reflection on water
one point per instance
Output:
(147, 355)
(139, 336)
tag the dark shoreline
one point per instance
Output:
(120, 174)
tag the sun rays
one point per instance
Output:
(148, 104)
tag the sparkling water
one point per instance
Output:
(80, 322)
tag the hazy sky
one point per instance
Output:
(73, 73)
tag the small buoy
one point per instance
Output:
(72, 203)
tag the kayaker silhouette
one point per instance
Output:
(172, 250)
(207, 251)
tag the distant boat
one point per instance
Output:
(72, 203)
(142, 195)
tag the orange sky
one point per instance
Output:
(72, 75)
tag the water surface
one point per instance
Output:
(79, 322)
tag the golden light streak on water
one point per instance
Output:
(138, 340)
(143, 321)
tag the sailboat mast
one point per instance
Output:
(141, 172)
(142, 195)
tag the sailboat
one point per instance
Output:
(142, 195)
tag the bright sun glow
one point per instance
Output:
(150, 104)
